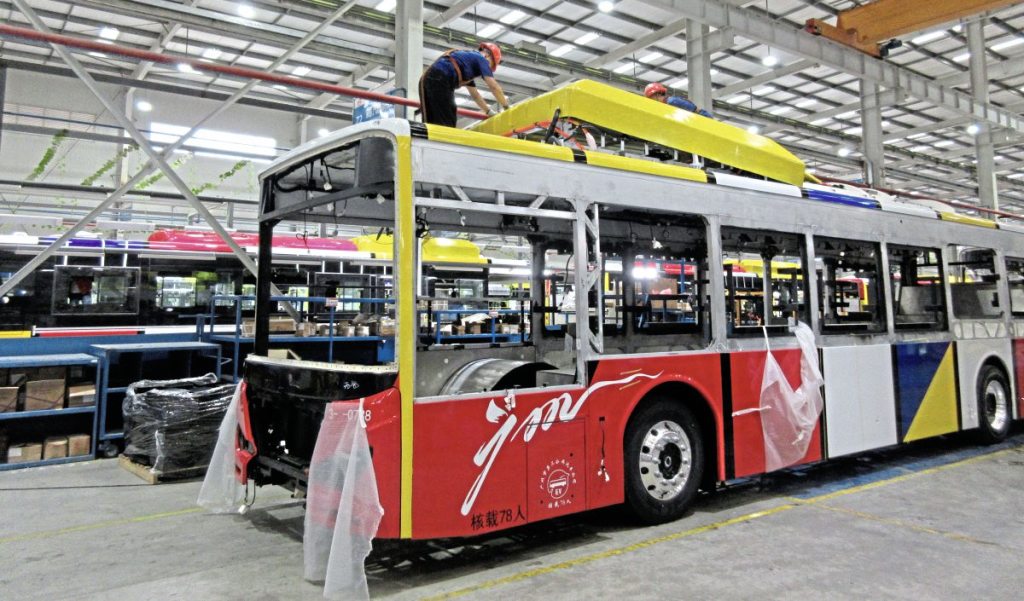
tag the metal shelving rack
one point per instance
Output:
(108, 354)
(60, 360)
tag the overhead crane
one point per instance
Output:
(871, 27)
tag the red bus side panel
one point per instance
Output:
(384, 434)
(747, 370)
(1018, 368)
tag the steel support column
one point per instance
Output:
(988, 192)
(871, 131)
(409, 46)
(698, 64)
(3, 95)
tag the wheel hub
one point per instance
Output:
(996, 407)
(665, 460)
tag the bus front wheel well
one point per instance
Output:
(679, 392)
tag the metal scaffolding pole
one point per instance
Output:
(698, 64)
(871, 130)
(988, 192)
(409, 47)
(156, 160)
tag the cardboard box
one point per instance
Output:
(386, 327)
(81, 395)
(41, 395)
(78, 445)
(475, 328)
(306, 329)
(24, 453)
(282, 353)
(55, 447)
(278, 325)
(9, 399)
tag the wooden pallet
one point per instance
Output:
(152, 476)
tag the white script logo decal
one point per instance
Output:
(559, 409)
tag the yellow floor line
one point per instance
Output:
(793, 503)
(98, 525)
(902, 524)
(610, 553)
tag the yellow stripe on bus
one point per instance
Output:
(405, 250)
(439, 133)
(601, 159)
(961, 218)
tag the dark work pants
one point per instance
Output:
(437, 98)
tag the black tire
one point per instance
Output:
(662, 490)
(994, 405)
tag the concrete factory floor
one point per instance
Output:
(938, 520)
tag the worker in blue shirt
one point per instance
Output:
(656, 91)
(454, 69)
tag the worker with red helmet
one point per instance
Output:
(454, 69)
(656, 91)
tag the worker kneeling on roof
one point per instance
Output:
(656, 91)
(454, 69)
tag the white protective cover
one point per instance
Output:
(342, 506)
(788, 416)
(220, 492)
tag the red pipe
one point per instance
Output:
(952, 203)
(26, 33)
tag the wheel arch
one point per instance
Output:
(698, 402)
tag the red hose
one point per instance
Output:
(26, 33)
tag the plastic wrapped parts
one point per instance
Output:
(172, 425)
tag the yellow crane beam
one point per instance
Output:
(864, 27)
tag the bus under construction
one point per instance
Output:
(656, 254)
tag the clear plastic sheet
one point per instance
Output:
(221, 492)
(788, 417)
(172, 425)
(342, 505)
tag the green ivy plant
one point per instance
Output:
(109, 165)
(149, 181)
(220, 178)
(51, 151)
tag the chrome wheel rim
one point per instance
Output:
(996, 407)
(666, 459)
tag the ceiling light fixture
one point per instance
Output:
(770, 61)
(300, 71)
(143, 106)
(754, 129)
(246, 11)
(586, 38)
(109, 33)
(211, 53)
(513, 17)
(974, 129)
(386, 6)
(1017, 41)
(679, 83)
(806, 103)
(606, 6)
(651, 57)
(623, 68)
(562, 50)
(928, 37)
(323, 131)
(844, 152)
(489, 31)
(185, 68)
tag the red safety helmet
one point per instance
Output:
(655, 88)
(495, 53)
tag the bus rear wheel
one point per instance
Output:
(993, 404)
(664, 461)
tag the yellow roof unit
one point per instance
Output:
(435, 250)
(638, 117)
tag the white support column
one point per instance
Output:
(409, 47)
(698, 64)
(988, 192)
(871, 130)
